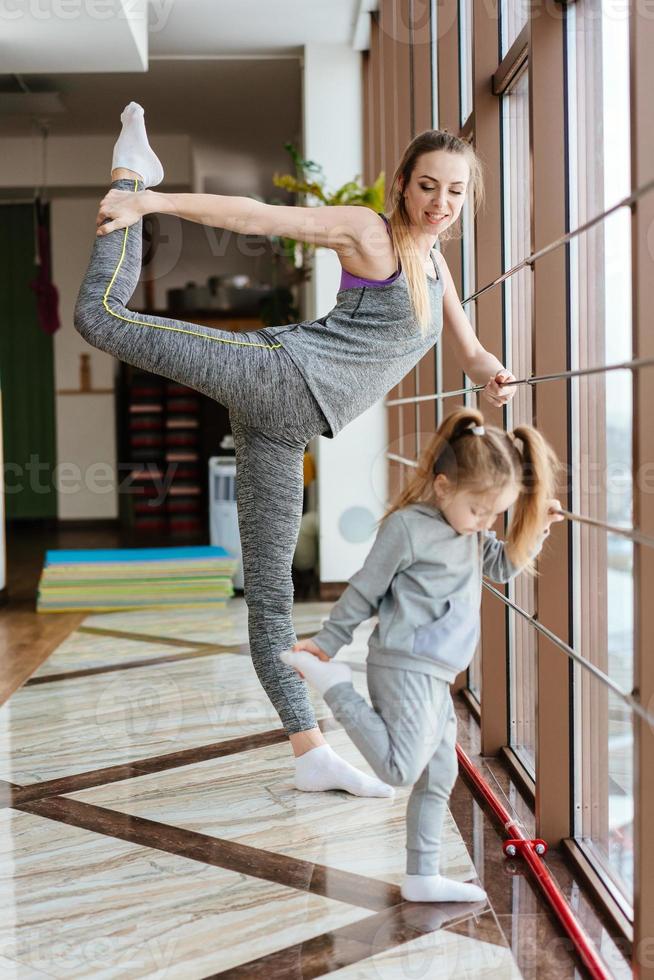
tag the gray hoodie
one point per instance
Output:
(423, 579)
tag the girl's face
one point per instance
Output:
(435, 193)
(468, 512)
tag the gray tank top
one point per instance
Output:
(365, 345)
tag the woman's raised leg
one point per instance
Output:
(225, 366)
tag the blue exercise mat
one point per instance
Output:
(133, 554)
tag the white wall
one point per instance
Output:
(351, 484)
(85, 423)
(86, 457)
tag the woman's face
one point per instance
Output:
(435, 193)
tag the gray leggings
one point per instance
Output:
(273, 415)
(409, 737)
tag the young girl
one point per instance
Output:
(423, 579)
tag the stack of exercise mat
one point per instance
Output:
(135, 578)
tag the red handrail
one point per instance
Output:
(551, 891)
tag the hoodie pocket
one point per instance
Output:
(452, 639)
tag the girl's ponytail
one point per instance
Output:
(437, 456)
(539, 472)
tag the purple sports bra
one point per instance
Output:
(348, 281)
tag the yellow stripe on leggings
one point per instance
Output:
(160, 326)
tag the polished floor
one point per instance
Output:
(150, 829)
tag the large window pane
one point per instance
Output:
(433, 19)
(465, 59)
(468, 287)
(513, 17)
(600, 317)
(517, 326)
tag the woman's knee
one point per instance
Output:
(81, 315)
(87, 318)
(267, 577)
(267, 602)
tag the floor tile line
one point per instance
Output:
(489, 911)
(198, 650)
(176, 641)
(343, 886)
(350, 944)
(172, 641)
(92, 778)
(67, 675)
(8, 793)
(142, 767)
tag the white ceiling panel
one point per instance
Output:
(74, 35)
(201, 27)
(47, 36)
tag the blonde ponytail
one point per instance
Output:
(539, 468)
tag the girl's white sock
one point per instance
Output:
(320, 674)
(321, 769)
(435, 888)
(132, 149)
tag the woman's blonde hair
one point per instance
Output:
(404, 246)
(492, 461)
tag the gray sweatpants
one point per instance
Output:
(273, 415)
(409, 737)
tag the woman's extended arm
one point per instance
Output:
(478, 363)
(330, 226)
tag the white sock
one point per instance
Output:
(321, 769)
(320, 674)
(435, 888)
(132, 149)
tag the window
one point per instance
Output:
(433, 19)
(597, 42)
(465, 59)
(513, 17)
(468, 288)
(517, 332)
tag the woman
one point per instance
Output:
(283, 385)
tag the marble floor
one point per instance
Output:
(150, 828)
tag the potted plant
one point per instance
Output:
(293, 260)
